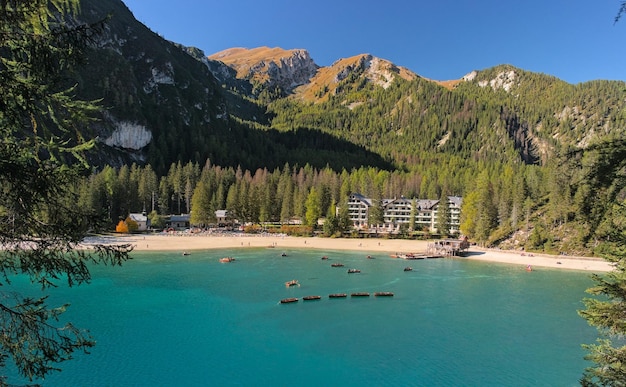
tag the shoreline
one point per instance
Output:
(189, 243)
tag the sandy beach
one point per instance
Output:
(189, 243)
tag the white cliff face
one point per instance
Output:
(470, 76)
(128, 135)
(380, 72)
(504, 80)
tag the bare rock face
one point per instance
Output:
(291, 71)
(273, 67)
(470, 76)
(378, 71)
(504, 80)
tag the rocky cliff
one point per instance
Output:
(270, 67)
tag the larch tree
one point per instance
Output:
(202, 211)
(41, 157)
(313, 208)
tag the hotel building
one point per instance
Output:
(401, 210)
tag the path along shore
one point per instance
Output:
(190, 242)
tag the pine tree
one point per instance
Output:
(443, 216)
(42, 155)
(605, 178)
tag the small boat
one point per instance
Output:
(288, 300)
(283, 254)
(324, 258)
(292, 283)
(383, 294)
(354, 271)
(336, 264)
(408, 268)
(337, 295)
(185, 253)
(310, 298)
(227, 259)
(408, 256)
(360, 294)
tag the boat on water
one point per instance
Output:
(283, 254)
(227, 259)
(288, 300)
(293, 282)
(324, 258)
(360, 294)
(383, 294)
(408, 268)
(337, 295)
(185, 253)
(354, 271)
(336, 264)
(409, 256)
(414, 256)
(311, 298)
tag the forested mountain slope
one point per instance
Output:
(163, 105)
(503, 112)
(266, 106)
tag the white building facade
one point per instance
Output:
(397, 212)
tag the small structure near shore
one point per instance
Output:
(448, 247)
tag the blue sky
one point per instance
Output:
(574, 40)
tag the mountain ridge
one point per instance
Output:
(248, 61)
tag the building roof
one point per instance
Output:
(456, 200)
(426, 204)
(180, 218)
(400, 200)
(366, 201)
(422, 204)
(139, 217)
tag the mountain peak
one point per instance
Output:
(294, 70)
(269, 66)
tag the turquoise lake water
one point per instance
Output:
(167, 320)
